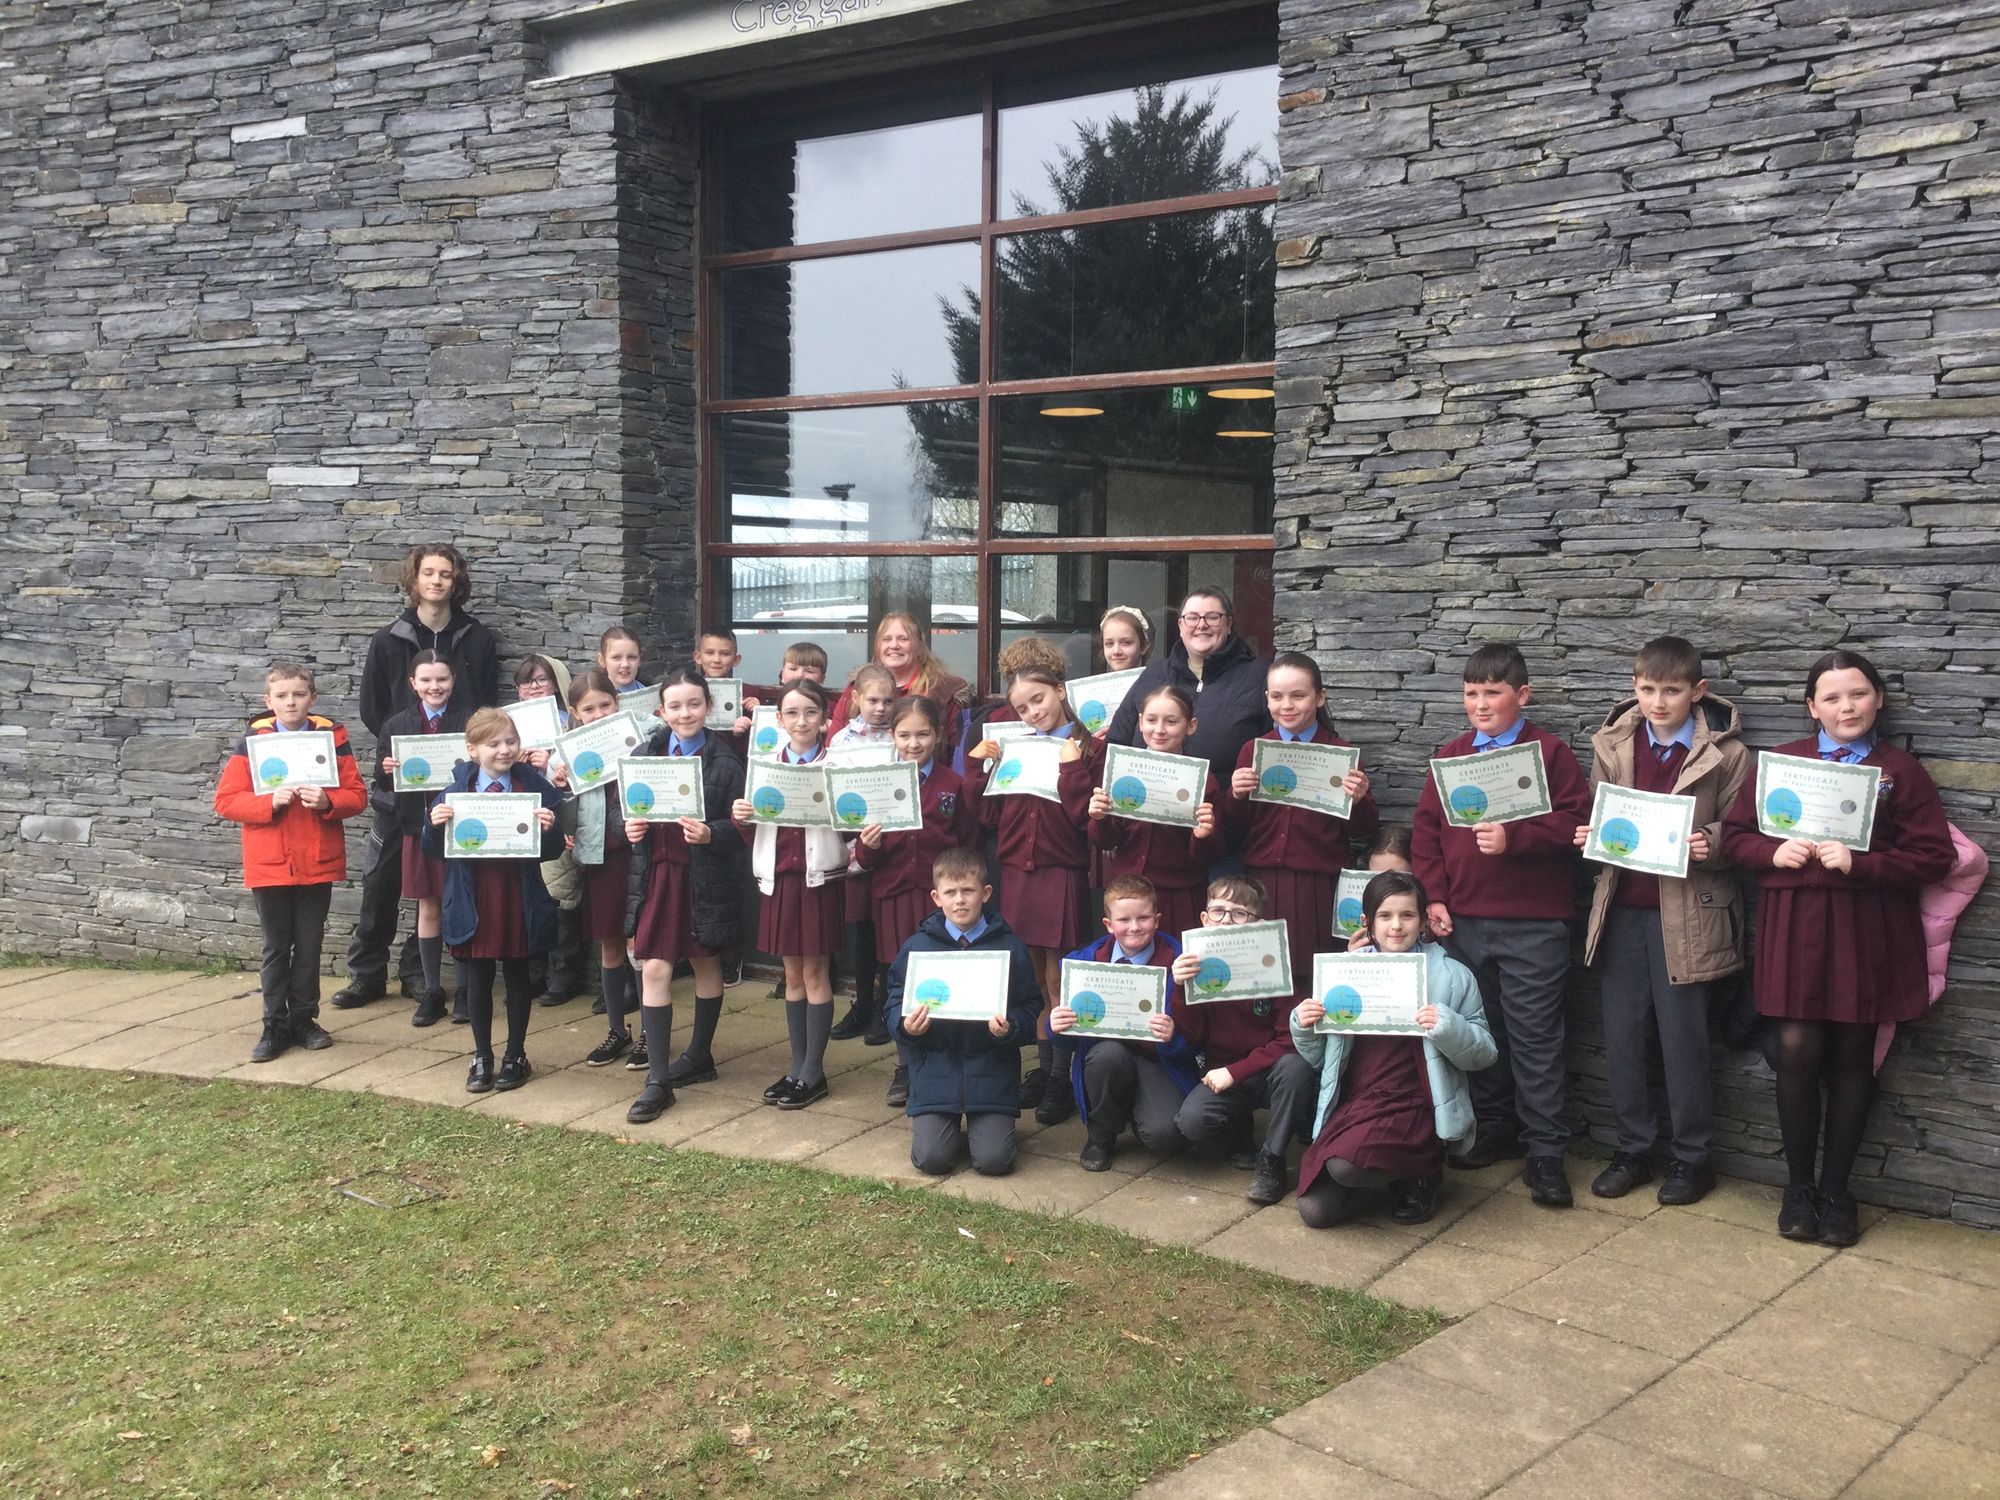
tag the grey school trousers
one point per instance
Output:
(293, 918)
(1123, 1086)
(1522, 965)
(1641, 1003)
(936, 1140)
(1289, 1089)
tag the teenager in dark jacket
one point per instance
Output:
(965, 1077)
(1214, 666)
(436, 582)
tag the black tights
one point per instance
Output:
(1841, 1056)
(861, 939)
(1327, 1203)
(479, 1003)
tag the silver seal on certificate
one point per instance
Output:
(1370, 994)
(1643, 831)
(725, 702)
(1493, 786)
(424, 762)
(1818, 800)
(787, 796)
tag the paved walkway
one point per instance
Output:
(1617, 1349)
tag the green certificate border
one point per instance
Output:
(456, 753)
(986, 968)
(487, 807)
(791, 781)
(695, 805)
(1187, 771)
(910, 810)
(1445, 775)
(1772, 769)
(1646, 811)
(1330, 968)
(1297, 756)
(1249, 939)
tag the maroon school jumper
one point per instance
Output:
(1847, 947)
(1297, 856)
(1384, 1120)
(1174, 859)
(1650, 773)
(1044, 855)
(1244, 1036)
(901, 864)
(1536, 877)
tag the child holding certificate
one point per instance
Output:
(596, 837)
(798, 870)
(965, 1075)
(618, 659)
(1295, 853)
(1174, 860)
(1246, 1047)
(899, 864)
(1389, 1104)
(680, 903)
(1044, 856)
(432, 681)
(1840, 942)
(874, 694)
(496, 911)
(1660, 941)
(293, 853)
(1501, 898)
(1126, 1081)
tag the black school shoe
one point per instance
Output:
(514, 1071)
(1058, 1101)
(1033, 1087)
(357, 993)
(1097, 1150)
(430, 1009)
(1488, 1146)
(275, 1042)
(1628, 1170)
(1416, 1199)
(1839, 1220)
(654, 1100)
(854, 1023)
(556, 997)
(877, 1034)
(1798, 1214)
(1687, 1182)
(1548, 1183)
(687, 1069)
(779, 1089)
(636, 1061)
(461, 1012)
(310, 1035)
(899, 1088)
(1268, 1185)
(479, 1077)
(803, 1094)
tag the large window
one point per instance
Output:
(998, 353)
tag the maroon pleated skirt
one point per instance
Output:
(423, 874)
(858, 898)
(503, 927)
(897, 919)
(604, 891)
(1045, 907)
(801, 921)
(1304, 900)
(1853, 955)
(665, 928)
(1384, 1119)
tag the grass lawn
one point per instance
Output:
(187, 1307)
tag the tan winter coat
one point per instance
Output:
(1701, 917)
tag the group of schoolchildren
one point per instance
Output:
(1839, 946)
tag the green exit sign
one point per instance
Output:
(1186, 398)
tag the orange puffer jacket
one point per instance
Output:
(294, 845)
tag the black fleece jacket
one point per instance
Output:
(385, 678)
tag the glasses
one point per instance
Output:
(1232, 914)
(1194, 619)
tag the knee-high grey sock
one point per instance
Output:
(819, 1026)
(612, 982)
(707, 1016)
(431, 951)
(795, 1027)
(657, 1023)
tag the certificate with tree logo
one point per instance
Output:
(1029, 767)
(725, 702)
(424, 762)
(886, 795)
(767, 740)
(661, 788)
(493, 825)
(1820, 800)
(1153, 787)
(967, 985)
(788, 796)
(1347, 901)
(592, 751)
(1248, 962)
(1370, 994)
(1114, 1000)
(1096, 700)
(304, 757)
(1300, 773)
(1493, 786)
(1643, 831)
(537, 720)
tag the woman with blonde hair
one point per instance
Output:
(900, 647)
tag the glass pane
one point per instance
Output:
(1132, 133)
(1153, 463)
(1061, 598)
(835, 602)
(882, 170)
(889, 321)
(870, 473)
(1145, 294)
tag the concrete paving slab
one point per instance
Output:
(363, 1065)
(1839, 1363)
(1037, 1185)
(1261, 1464)
(778, 1135)
(1455, 1201)
(127, 1048)
(1273, 1239)
(1199, 1167)
(1754, 1205)
(1753, 1263)
(1955, 1250)
(1454, 1279)
(300, 1066)
(1902, 1302)
(1589, 1467)
(207, 1055)
(694, 1112)
(79, 990)
(393, 1029)
(49, 1039)
(883, 1151)
(1669, 1315)
(1508, 1224)
(441, 1083)
(1640, 1203)
(23, 974)
(1560, 1376)
(1168, 1213)
(1707, 1418)
(1377, 1422)
(1970, 1412)
(1930, 1467)
(559, 1096)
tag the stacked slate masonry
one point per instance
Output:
(283, 289)
(1595, 321)
(1601, 321)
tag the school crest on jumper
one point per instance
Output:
(948, 804)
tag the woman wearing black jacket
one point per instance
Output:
(1215, 667)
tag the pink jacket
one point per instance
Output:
(1940, 905)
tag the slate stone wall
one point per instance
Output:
(283, 289)
(1598, 321)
